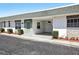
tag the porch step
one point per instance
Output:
(43, 36)
(39, 36)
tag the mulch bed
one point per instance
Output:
(72, 39)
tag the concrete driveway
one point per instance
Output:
(16, 46)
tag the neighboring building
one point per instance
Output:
(63, 19)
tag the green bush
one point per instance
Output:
(9, 31)
(19, 31)
(2, 30)
(55, 34)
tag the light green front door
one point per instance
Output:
(28, 26)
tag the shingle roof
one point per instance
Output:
(48, 12)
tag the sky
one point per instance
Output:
(9, 9)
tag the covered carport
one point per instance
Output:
(43, 25)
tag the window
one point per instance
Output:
(68, 21)
(4, 24)
(8, 23)
(0, 24)
(28, 23)
(73, 21)
(18, 24)
(38, 25)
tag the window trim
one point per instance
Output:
(16, 22)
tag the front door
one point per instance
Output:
(28, 26)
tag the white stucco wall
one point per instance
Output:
(48, 26)
(59, 24)
(73, 32)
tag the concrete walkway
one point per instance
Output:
(40, 39)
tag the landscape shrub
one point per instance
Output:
(55, 34)
(19, 31)
(9, 31)
(2, 30)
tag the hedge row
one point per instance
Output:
(55, 34)
(10, 31)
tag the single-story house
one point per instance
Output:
(64, 19)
